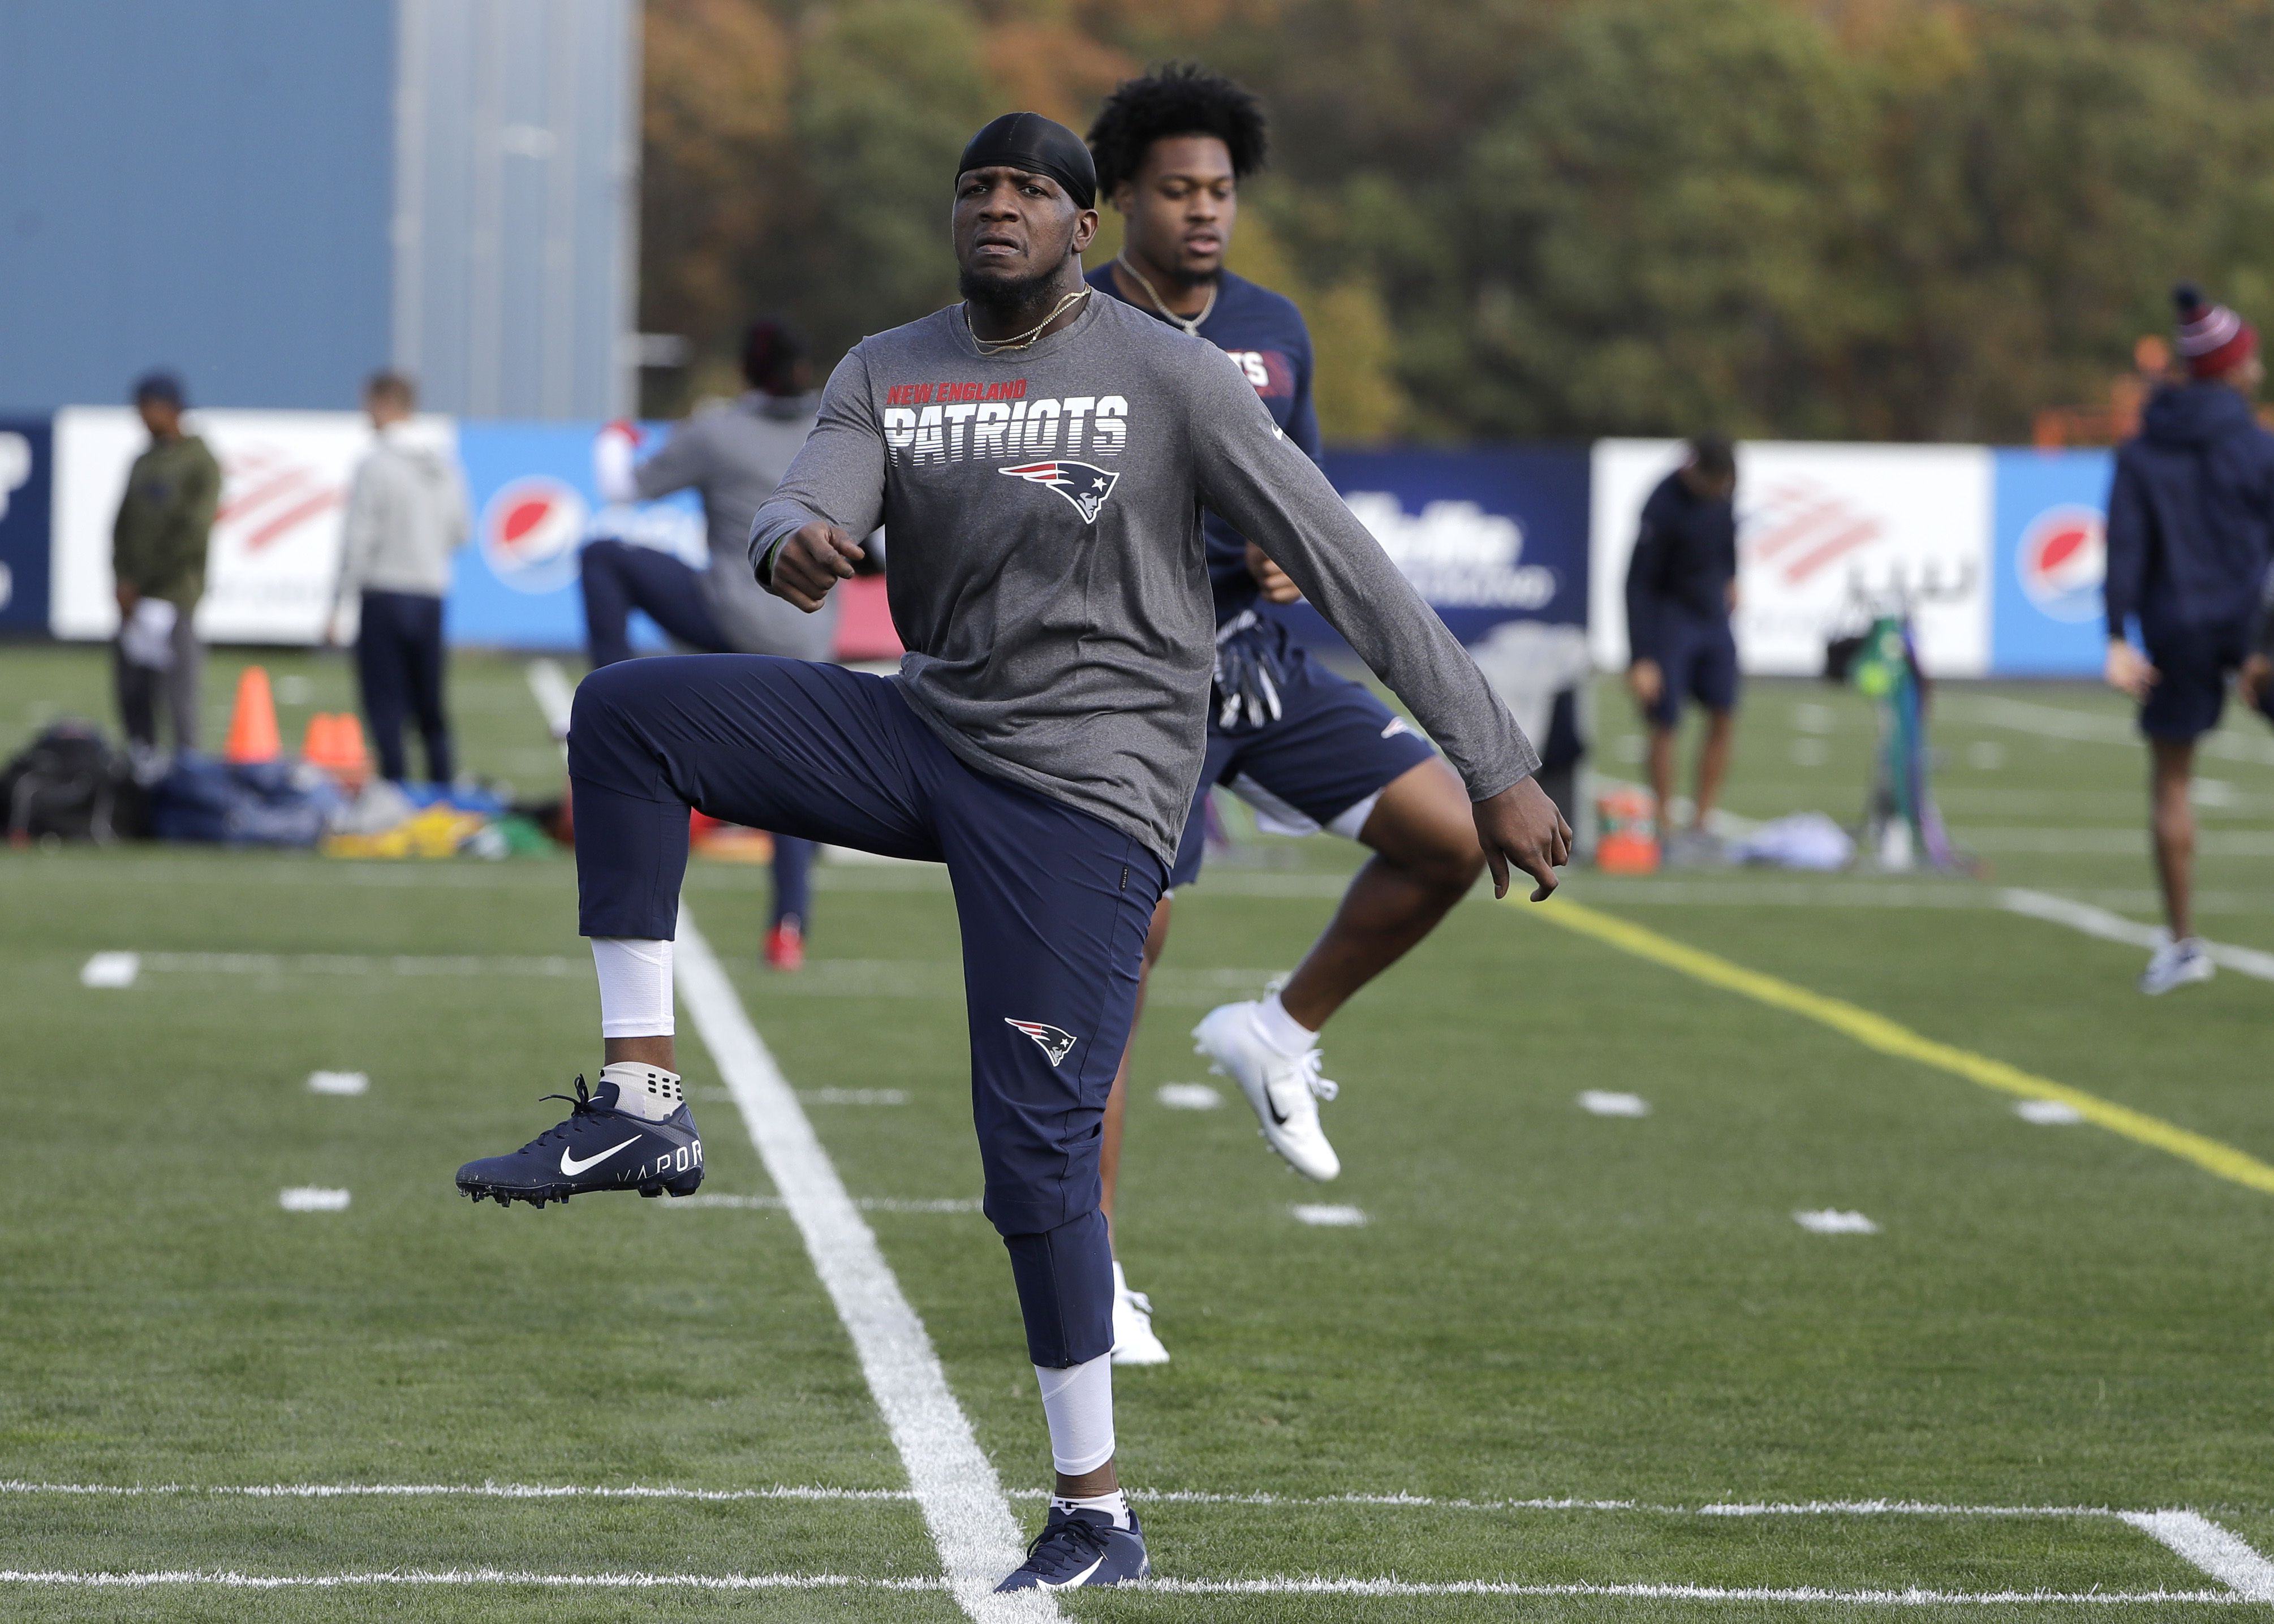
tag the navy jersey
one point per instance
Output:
(1264, 332)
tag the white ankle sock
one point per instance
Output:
(1113, 1503)
(1077, 1403)
(635, 986)
(647, 1092)
(1282, 1030)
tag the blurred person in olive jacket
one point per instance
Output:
(158, 560)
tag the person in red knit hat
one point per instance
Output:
(2190, 535)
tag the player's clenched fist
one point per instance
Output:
(814, 559)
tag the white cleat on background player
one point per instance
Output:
(1135, 1341)
(2177, 964)
(1284, 1089)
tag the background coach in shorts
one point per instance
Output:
(1682, 589)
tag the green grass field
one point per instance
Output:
(1543, 1304)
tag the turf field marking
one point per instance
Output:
(111, 970)
(854, 1096)
(1888, 1037)
(867, 1203)
(1326, 1217)
(2047, 1113)
(1831, 1220)
(555, 694)
(954, 1482)
(313, 1199)
(2115, 928)
(1188, 1096)
(1604, 1103)
(1291, 1585)
(2085, 727)
(493, 1490)
(343, 1082)
(2210, 1547)
(347, 964)
(443, 1491)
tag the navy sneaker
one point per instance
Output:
(1081, 1548)
(598, 1147)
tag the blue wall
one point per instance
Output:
(205, 187)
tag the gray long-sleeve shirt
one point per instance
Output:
(1048, 576)
(735, 455)
(406, 516)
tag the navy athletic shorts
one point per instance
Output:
(1333, 748)
(1053, 904)
(1697, 659)
(2193, 664)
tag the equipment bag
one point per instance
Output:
(64, 785)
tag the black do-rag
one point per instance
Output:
(1039, 146)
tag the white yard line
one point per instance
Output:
(867, 1203)
(231, 1580)
(493, 1490)
(953, 1481)
(2115, 928)
(335, 964)
(2052, 721)
(1287, 1586)
(554, 694)
(1805, 1594)
(2211, 1548)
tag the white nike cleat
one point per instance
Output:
(1134, 1342)
(1284, 1089)
(2177, 964)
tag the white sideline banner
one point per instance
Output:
(275, 554)
(1822, 530)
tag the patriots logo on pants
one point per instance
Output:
(1056, 1044)
(1082, 484)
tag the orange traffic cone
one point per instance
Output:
(335, 742)
(252, 724)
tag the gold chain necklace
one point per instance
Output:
(1190, 325)
(1026, 340)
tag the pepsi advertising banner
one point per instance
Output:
(2051, 558)
(1485, 536)
(535, 505)
(26, 496)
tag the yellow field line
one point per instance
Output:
(1892, 1038)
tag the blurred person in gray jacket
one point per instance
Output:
(733, 455)
(406, 516)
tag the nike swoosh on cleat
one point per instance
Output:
(1270, 1104)
(1068, 1585)
(571, 1166)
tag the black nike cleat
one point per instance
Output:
(1079, 1549)
(598, 1147)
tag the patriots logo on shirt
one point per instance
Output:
(1083, 484)
(1055, 1042)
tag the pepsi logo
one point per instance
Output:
(2062, 561)
(529, 530)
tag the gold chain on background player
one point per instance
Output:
(1192, 325)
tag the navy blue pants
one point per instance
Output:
(399, 664)
(619, 577)
(1053, 905)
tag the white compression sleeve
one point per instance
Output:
(1078, 1402)
(635, 986)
